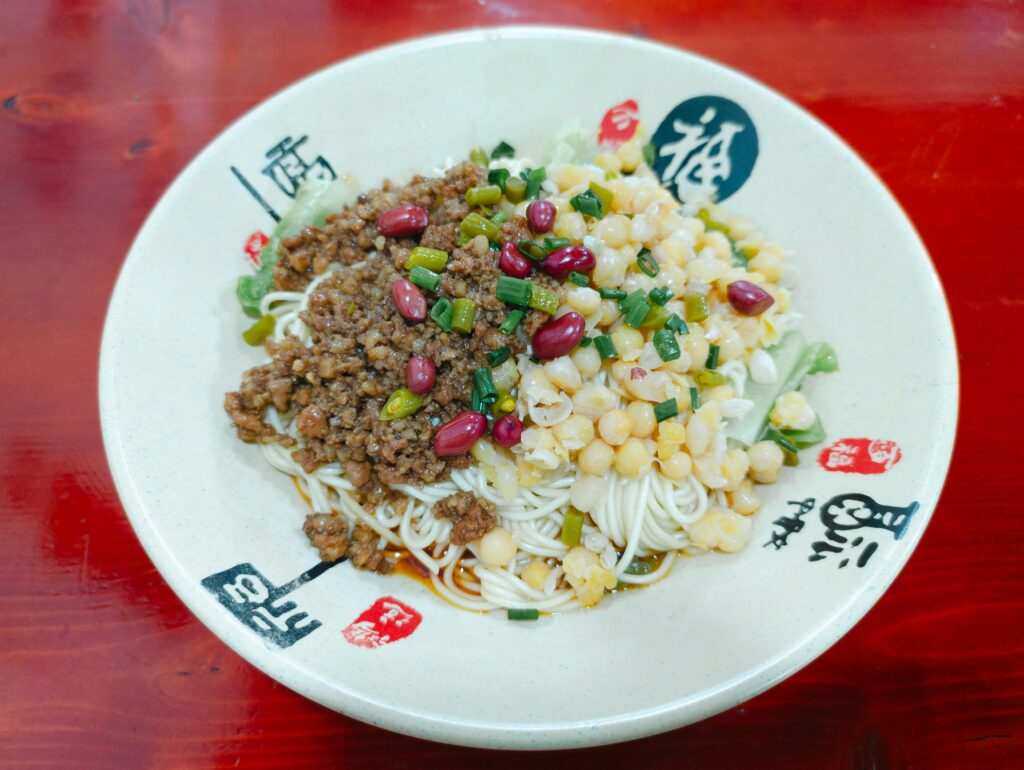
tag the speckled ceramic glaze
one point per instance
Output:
(225, 529)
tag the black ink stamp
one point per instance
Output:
(260, 605)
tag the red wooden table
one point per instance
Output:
(103, 103)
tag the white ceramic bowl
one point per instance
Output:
(721, 628)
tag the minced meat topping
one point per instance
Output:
(335, 389)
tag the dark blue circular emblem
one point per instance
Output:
(705, 144)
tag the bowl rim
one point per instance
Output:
(510, 735)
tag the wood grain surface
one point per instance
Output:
(104, 102)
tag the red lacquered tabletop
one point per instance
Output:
(103, 103)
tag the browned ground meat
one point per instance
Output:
(473, 517)
(330, 535)
(360, 344)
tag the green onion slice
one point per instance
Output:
(425, 279)
(587, 203)
(260, 330)
(463, 315)
(511, 321)
(432, 259)
(712, 360)
(503, 150)
(442, 313)
(499, 356)
(498, 176)
(572, 528)
(514, 291)
(578, 278)
(646, 263)
(515, 613)
(666, 345)
(544, 299)
(666, 409)
(694, 399)
(605, 347)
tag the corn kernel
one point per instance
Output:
(632, 459)
(596, 458)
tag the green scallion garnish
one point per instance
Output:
(514, 291)
(487, 195)
(666, 409)
(432, 259)
(604, 195)
(484, 383)
(712, 360)
(635, 308)
(476, 224)
(544, 299)
(578, 278)
(515, 189)
(442, 313)
(477, 404)
(572, 528)
(498, 218)
(533, 178)
(515, 613)
(499, 356)
(648, 152)
(503, 150)
(677, 324)
(260, 330)
(605, 347)
(666, 346)
(532, 249)
(587, 203)
(660, 295)
(463, 315)
(550, 244)
(694, 399)
(425, 279)
(696, 307)
(586, 342)
(511, 322)
(479, 156)
(655, 318)
(646, 263)
(611, 293)
(498, 176)
(709, 379)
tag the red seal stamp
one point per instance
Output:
(387, 620)
(619, 123)
(254, 245)
(860, 455)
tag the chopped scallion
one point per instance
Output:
(666, 409)
(432, 259)
(503, 150)
(498, 176)
(604, 195)
(587, 203)
(611, 293)
(511, 322)
(479, 156)
(499, 218)
(586, 342)
(666, 345)
(605, 347)
(694, 399)
(660, 295)
(260, 330)
(533, 178)
(578, 278)
(532, 249)
(677, 324)
(646, 263)
(712, 360)
(477, 404)
(486, 195)
(442, 313)
(696, 307)
(648, 152)
(572, 528)
(425, 279)
(544, 299)
(463, 315)
(709, 379)
(514, 291)
(475, 224)
(655, 318)
(550, 244)
(402, 403)
(516, 613)
(515, 189)
(499, 356)
(484, 383)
